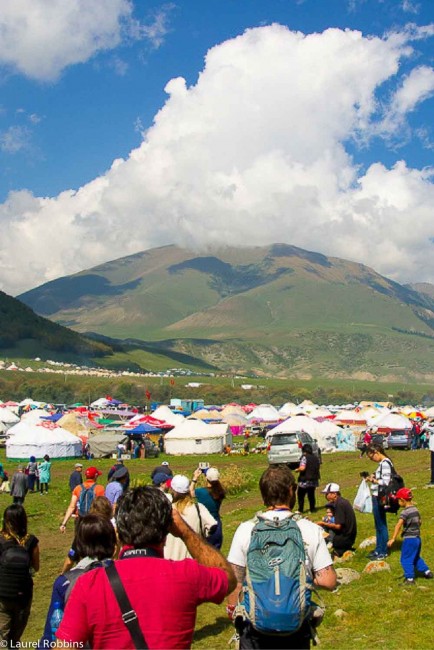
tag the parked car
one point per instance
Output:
(377, 438)
(286, 447)
(399, 439)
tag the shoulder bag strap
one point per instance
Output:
(129, 616)
(202, 532)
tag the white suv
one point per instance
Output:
(286, 447)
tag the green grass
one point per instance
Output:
(379, 612)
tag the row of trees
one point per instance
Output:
(71, 389)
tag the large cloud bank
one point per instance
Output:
(256, 152)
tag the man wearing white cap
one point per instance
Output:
(345, 524)
(76, 477)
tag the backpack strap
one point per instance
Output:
(129, 615)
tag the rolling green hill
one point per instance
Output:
(270, 310)
(27, 334)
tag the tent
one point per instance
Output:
(103, 445)
(40, 439)
(7, 417)
(389, 422)
(264, 413)
(195, 437)
(167, 415)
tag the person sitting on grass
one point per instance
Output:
(408, 525)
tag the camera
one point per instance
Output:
(203, 467)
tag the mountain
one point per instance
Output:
(425, 288)
(270, 310)
(22, 331)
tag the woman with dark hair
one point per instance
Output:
(94, 544)
(19, 558)
(381, 477)
(211, 496)
(45, 474)
(31, 470)
(308, 477)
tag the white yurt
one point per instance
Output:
(7, 417)
(195, 437)
(264, 413)
(166, 414)
(40, 439)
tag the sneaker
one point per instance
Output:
(408, 581)
(376, 556)
(428, 575)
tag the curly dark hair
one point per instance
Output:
(277, 485)
(94, 537)
(143, 517)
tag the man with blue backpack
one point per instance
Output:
(83, 496)
(277, 562)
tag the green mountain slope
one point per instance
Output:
(276, 309)
(23, 330)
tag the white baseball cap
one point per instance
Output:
(331, 487)
(212, 474)
(180, 484)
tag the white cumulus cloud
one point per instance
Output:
(255, 152)
(40, 38)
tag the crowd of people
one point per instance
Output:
(139, 553)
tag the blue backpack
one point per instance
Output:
(87, 495)
(277, 590)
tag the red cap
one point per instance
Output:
(404, 493)
(92, 472)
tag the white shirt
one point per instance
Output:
(175, 549)
(317, 554)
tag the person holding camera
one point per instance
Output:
(194, 514)
(211, 496)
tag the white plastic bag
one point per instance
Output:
(363, 500)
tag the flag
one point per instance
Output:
(148, 395)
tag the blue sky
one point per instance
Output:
(304, 121)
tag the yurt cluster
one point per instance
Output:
(32, 428)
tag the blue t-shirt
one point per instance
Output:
(204, 497)
(113, 491)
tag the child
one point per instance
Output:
(409, 522)
(329, 519)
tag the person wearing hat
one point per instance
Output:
(211, 496)
(345, 524)
(76, 477)
(118, 465)
(91, 475)
(409, 526)
(194, 514)
(163, 468)
(115, 488)
(19, 486)
(162, 482)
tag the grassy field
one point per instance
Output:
(378, 612)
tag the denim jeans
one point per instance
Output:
(381, 531)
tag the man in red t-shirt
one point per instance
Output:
(164, 594)
(91, 475)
